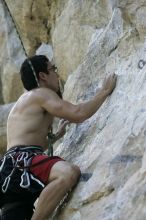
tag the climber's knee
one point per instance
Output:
(66, 172)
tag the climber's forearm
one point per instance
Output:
(89, 108)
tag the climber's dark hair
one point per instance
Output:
(30, 69)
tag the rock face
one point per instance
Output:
(4, 112)
(92, 39)
(11, 57)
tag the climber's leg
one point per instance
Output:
(62, 178)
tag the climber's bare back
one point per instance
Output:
(28, 123)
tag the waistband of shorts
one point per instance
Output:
(24, 148)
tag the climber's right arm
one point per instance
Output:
(57, 107)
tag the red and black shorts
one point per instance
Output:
(42, 170)
(24, 172)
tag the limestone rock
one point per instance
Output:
(35, 20)
(11, 82)
(73, 30)
(111, 144)
(46, 50)
(11, 59)
(4, 112)
(31, 20)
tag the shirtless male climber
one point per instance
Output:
(27, 128)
